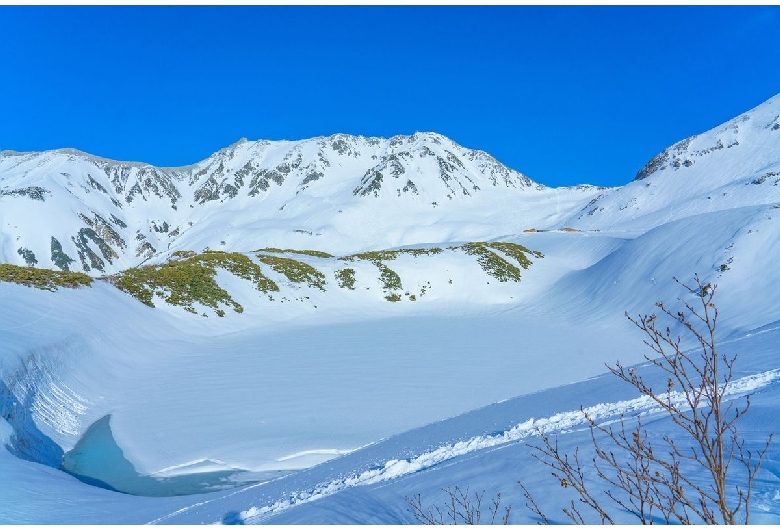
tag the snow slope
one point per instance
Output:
(733, 165)
(486, 451)
(332, 404)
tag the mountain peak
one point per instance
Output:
(757, 128)
(356, 192)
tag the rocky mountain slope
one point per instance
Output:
(735, 164)
(68, 210)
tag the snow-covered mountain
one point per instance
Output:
(315, 400)
(735, 164)
(73, 211)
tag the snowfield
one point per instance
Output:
(334, 404)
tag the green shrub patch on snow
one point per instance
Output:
(346, 278)
(495, 265)
(183, 254)
(312, 253)
(45, 279)
(295, 271)
(189, 280)
(386, 255)
(389, 278)
(516, 252)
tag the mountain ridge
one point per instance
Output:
(349, 193)
(112, 215)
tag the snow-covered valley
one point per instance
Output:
(308, 332)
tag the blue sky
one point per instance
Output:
(563, 94)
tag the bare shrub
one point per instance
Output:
(703, 472)
(460, 508)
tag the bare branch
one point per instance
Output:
(702, 473)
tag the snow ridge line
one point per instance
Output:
(560, 422)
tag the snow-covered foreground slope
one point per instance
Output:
(280, 379)
(487, 451)
(482, 450)
(282, 387)
(325, 401)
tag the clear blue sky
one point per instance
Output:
(563, 94)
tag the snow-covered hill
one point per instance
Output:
(314, 399)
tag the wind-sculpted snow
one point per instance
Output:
(557, 423)
(34, 395)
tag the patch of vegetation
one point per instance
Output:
(313, 253)
(377, 255)
(295, 271)
(393, 297)
(492, 263)
(186, 281)
(28, 256)
(346, 278)
(389, 278)
(516, 252)
(386, 255)
(45, 279)
(183, 254)
(495, 265)
(568, 229)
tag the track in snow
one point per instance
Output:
(559, 422)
